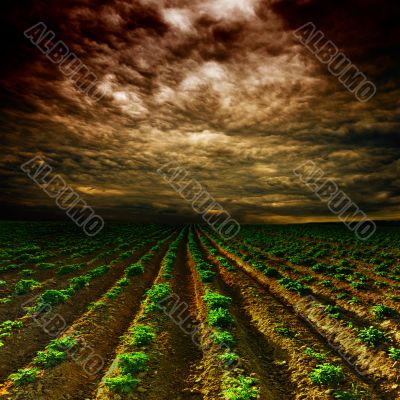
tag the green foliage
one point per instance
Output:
(49, 358)
(122, 383)
(342, 295)
(62, 344)
(354, 300)
(114, 292)
(284, 331)
(359, 285)
(23, 376)
(142, 335)
(7, 327)
(294, 286)
(333, 311)
(372, 336)
(97, 304)
(98, 271)
(228, 358)
(223, 338)
(79, 282)
(207, 276)
(135, 269)
(132, 363)
(394, 353)
(53, 297)
(125, 255)
(327, 283)
(327, 374)
(220, 317)
(27, 272)
(156, 294)
(312, 353)
(241, 388)
(381, 312)
(55, 352)
(67, 269)
(25, 286)
(215, 300)
(45, 265)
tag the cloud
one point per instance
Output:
(221, 86)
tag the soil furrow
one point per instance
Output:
(100, 330)
(22, 346)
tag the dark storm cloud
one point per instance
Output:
(220, 85)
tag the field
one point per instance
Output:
(163, 312)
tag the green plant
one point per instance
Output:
(98, 271)
(327, 283)
(228, 358)
(53, 297)
(25, 286)
(207, 276)
(156, 294)
(97, 304)
(66, 269)
(49, 358)
(7, 327)
(241, 388)
(342, 295)
(223, 338)
(359, 285)
(132, 363)
(394, 353)
(284, 331)
(62, 344)
(312, 353)
(381, 312)
(142, 335)
(122, 383)
(27, 272)
(220, 317)
(79, 282)
(271, 272)
(44, 265)
(215, 300)
(25, 375)
(327, 374)
(372, 336)
(135, 269)
(294, 286)
(354, 300)
(333, 311)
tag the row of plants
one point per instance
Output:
(309, 250)
(219, 330)
(324, 373)
(54, 297)
(354, 332)
(135, 269)
(380, 312)
(123, 376)
(59, 349)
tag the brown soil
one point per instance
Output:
(22, 346)
(283, 313)
(100, 330)
(175, 367)
(257, 352)
(49, 280)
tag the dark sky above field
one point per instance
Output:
(222, 86)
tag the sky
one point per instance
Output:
(223, 87)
